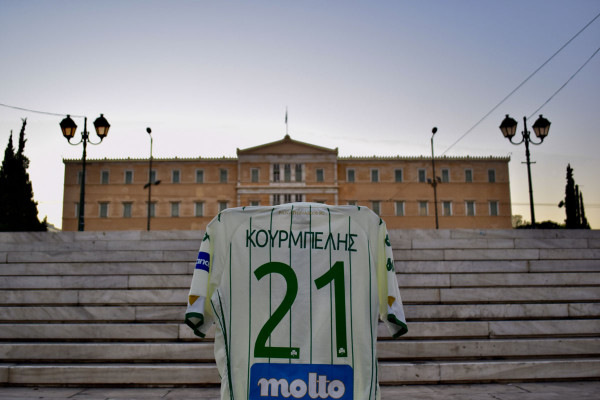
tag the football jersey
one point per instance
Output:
(296, 292)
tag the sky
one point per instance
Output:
(367, 77)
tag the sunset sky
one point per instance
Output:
(367, 77)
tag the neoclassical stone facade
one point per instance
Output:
(473, 192)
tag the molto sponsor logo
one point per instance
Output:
(301, 381)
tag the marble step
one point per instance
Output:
(59, 254)
(102, 245)
(483, 254)
(159, 267)
(413, 235)
(417, 330)
(94, 236)
(108, 295)
(174, 313)
(406, 281)
(494, 243)
(495, 266)
(112, 242)
(482, 279)
(389, 372)
(64, 256)
(475, 234)
(127, 268)
(202, 351)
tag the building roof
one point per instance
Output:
(287, 145)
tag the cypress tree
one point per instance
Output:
(578, 208)
(584, 222)
(5, 189)
(571, 201)
(18, 210)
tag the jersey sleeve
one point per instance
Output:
(390, 303)
(196, 317)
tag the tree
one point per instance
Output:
(584, 222)
(573, 204)
(18, 210)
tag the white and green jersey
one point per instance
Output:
(296, 291)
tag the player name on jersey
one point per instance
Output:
(301, 239)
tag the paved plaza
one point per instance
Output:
(585, 390)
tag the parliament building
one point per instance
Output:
(473, 192)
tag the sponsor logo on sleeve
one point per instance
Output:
(203, 261)
(301, 381)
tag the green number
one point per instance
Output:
(260, 347)
(336, 275)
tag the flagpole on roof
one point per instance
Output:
(286, 121)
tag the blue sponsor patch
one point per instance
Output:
(203, 261)
(301, 381)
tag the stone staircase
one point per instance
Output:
(105, 308)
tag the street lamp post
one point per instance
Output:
(541, 127)
(151, 180)
(435, 180)
(68, 128)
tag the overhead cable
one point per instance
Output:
(521, 84)
(41, 112)
(565, 84)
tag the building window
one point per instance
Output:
(77, 209)
(276, 199)
(423, 209)
(104, 177)
(287, 198)
(199, 209)
(79, 175)
(128, 177)
(350, 175)
(287, 172)
(127, 210)
(298, 172)
(351, 202)
(470, 208)
(374, 175)
(468, 175)
(152, 177)
(152, 209)
(445, 175)
(254, 175)
(175, 209)
(494, 208)
(275, 172)
(446, 208)
(223, 175)
(175, 176)
(320, 174)
(103, 210)
(400, 208)
(199, 176)
(222, 206)
(376, 207)
(491, 175)
(255, 203)
(422, 175)
(398, 175)
(299, 197)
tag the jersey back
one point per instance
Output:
(296, 291)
